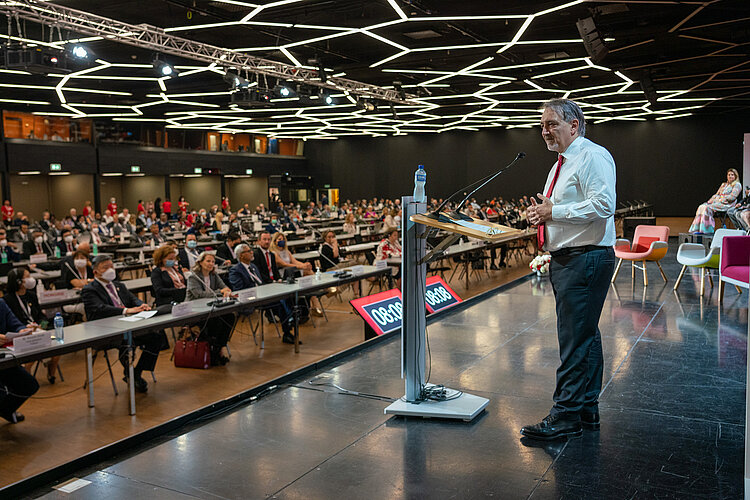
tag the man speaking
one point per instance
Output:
(575, 221)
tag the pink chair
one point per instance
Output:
(734, 266)
(649, 244)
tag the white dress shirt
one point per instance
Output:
(583, 198)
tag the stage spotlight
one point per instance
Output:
(235, 80)
(163, 68)
(80, 52)
(329, 100)
(283, 91)
(366, 105)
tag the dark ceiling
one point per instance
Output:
(689, 56)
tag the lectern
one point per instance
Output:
(423, 399)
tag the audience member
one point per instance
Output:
(724, 199)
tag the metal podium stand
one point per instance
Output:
(456, 405)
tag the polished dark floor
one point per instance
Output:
(672, 409)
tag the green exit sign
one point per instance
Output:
(135, 169)
(198, 170)
(55, 167)
(326, 186)
(249, 171)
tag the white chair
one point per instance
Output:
(694, 255)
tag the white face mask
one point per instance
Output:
(80, 263)
(3, 243)
(68, 239)
(29, 283)
(110, 274)
(38, 240)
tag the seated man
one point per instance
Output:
(244, 274)
(36, 245)
(67, 245)
(155, 236)
(8, 251)
(269, 272)
(225, 252)
(188, 255)
(105, 297)
(16, 384)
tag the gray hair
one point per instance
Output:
(241, 248)
(568, 111)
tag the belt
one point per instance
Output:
(576, 250)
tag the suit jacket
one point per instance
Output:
(30, 299)
(64, 247)
(157, 239)
(99, 305)
(224, 253)
(182, 256)
(8, 320)
(29, 249)
(19, 236)
(164, 289)
(196, 288)
(240, 279)
(262, 265)
(66, 272)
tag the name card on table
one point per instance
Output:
(247, 295)
(32, 342)
(55, 295)
(257, 226)
(357, 270)
(37, 258)
(305, 280)
(300, 231)
(182, 309)
(381, 264)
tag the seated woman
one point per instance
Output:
(285, 259)
(205, 283)
(388, 222)
(724, 199)
(76, 272)
(331, 255)
(349, 226)
(390, 248)
(22, 301)
(16, 384)
(167, 280)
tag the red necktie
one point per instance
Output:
(39, 249)
(270, 268)
(540, 228)
(70, 248)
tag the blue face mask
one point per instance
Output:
(281, 243)
(192, 244)
(274, 222)
(169, 263)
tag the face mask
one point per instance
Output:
(295, 219)
(38, 240)
(68, 239)
(110, 274)
(3, 242)
(235, 224)
(192, 244)
(169, 263)
(81, 263)
(29, 283)
(274, 221)
(281, 243)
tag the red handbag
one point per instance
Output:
(192, 354)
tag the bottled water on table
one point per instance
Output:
(420, 179)
(59, 322)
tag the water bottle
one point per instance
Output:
(57, 252)
(317, 274)
(96, 249)
(59, 333)
(420, 179)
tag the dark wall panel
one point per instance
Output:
(26, 155)
(675, 164)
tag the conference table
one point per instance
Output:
(104, 332)
(350, 249)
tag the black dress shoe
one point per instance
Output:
(288, 338)
(14, 417)
(493, 267)
(554, 427)
(139, 384)
(590, 420)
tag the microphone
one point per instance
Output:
(482, 182)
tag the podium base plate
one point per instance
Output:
(465, 407)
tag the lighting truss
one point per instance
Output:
(153, 38)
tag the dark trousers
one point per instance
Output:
(580, 282)
(150, 344)
(217, 332)
(16, 386)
